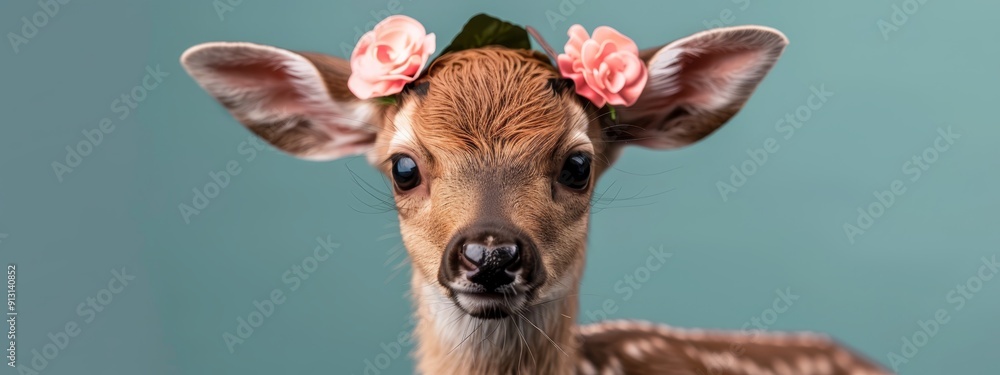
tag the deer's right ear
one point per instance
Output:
(698, 83)
(298, 102)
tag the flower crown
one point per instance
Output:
(605, 67)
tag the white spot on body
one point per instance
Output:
(782, 368)
(586, 368)
(632, 349)
(614, 367)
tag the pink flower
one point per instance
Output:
(389, 57)
(606, 68)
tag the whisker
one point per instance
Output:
(384, 204)
(487, 337)
(525, 342)
(553, 300)
(544, 334)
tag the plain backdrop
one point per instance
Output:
(782, 229)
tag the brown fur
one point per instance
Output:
(489, 116)
(491, 103)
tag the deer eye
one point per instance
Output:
(575, 173)
(405, 173)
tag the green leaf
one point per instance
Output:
(484, 30)
(388, 100)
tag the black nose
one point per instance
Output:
(490, 264)
(490, 256)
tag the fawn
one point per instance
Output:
(493, 162)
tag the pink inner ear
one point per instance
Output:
(709, 81)
(270, 78)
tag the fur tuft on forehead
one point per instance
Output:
(489, 101)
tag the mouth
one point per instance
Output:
(490, 305)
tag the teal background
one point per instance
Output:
(782, 229)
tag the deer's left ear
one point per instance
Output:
(698, 83)
(297, 101)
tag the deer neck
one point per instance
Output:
(541, 340)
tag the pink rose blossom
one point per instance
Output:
(606, 68)
(389, 57)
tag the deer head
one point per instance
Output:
(493, 158)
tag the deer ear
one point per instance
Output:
(298, 102)
(698, 83)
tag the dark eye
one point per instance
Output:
(405, 173)
(575, 173)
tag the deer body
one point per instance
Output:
(494, 163)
